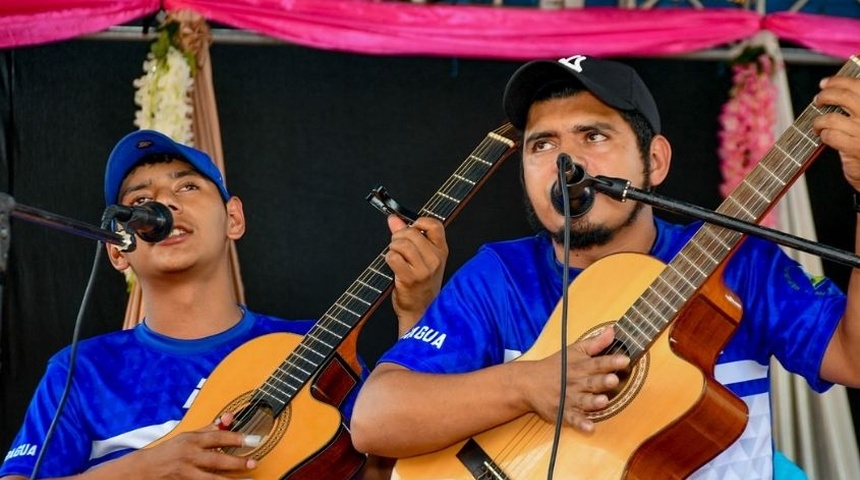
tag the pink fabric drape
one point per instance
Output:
(836, 36)
(478, 31)
(31, 22)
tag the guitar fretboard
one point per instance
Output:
(795, 149)
(320, 344)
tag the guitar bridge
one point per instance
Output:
(479, 464)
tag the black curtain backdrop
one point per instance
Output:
(307, 134)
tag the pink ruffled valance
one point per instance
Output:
(477, 31)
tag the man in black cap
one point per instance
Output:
(451, 377)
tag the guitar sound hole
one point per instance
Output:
(252, 420)
(623, 377)
(630, 378)
(619, 347)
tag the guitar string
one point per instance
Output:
(534, 432)
(769, 185)
(243, 422)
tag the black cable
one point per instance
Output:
(72, 355)
(562, 181)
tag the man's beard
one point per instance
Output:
(583, 233)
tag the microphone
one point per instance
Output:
(578, 184)
(152, 221)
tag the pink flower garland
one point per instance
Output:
(747, 121)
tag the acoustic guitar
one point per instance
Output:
(669, 416)
(286, 387)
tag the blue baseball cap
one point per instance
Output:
(133, 147)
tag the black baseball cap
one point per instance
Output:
(614, 83)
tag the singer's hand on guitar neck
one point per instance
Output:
(842, 131)
(418, 255)
(589, 376)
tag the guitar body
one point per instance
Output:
(669, 418)
(305, 441)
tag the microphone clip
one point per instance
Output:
(151, 222)
(578, 184)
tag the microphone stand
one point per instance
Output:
(8, 207)
(621, 190)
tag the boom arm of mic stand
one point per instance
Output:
(8, 207)
(620, 189)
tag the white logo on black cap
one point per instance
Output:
(573, 62)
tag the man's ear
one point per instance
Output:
(661, 158)
(235, 218)
(117, 257)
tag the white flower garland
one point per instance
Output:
(164, 96)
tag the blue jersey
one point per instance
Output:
(131, 387)
(495, 307)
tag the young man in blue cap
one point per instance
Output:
(451, 378)
(132, 387)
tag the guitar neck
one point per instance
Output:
(793, 152)
(373, 285)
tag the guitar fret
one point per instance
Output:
(691, 264)
(300, 363)
(637, 325)
(323, 327)
(664, 302)
(755, 190)
(772, 174)
(702, 251)
(369, 286)
(271, 395)
(803, 134)
(675, 296)
(319, 340)
(739, 205)
(452, 202)
(335, 319)
(448, 197)
(481, 160)
(631, 339)
(382, 274)
(785, 154)
(641, 322)
(672, 269)
(289, 374)
(299, 358)
(357, 298)
(652, 309)
(464, 179)
(433, 214)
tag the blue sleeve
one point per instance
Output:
(787, 312)
(69, 447)
(458, 332)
